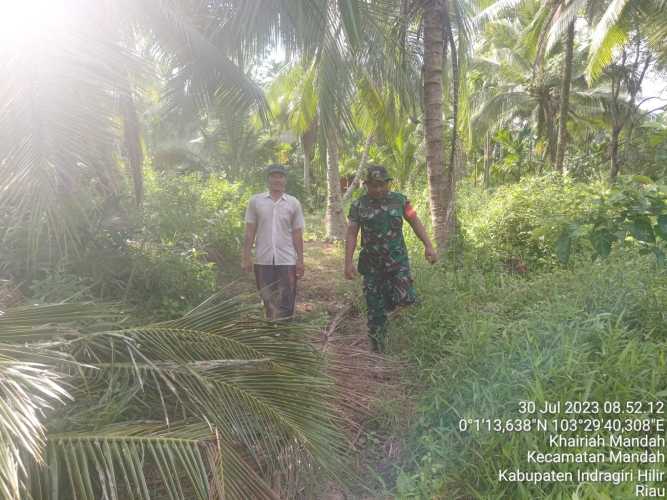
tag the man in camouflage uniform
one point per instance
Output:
(383, 259)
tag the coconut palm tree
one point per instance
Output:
(503, 86)
(427, 32)
(293, 101)
(553, 22)
(384, 120)
(309, 103)
(638, 29)
(514, 94)
(213, 405)
(331, 39)
(444, 27)
(60, 92)
(67, 87)
(623, 79)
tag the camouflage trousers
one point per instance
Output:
(384, 291)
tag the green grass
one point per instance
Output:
(481, 342)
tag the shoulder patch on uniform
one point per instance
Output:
(410, 212)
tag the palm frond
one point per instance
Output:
(563, 18)
(205, 67)
(653, 17)
(32, 382)
(607, 35)
(463, 23)
(57, 132)
(536, 32)
(210, 402)
(10, 477)
(24, 324)
(124, 460)
(497, 10)
(133, 146)
(27, 391)
(501, 106)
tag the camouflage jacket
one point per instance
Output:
(382, 245)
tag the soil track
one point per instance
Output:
(374, 404)
(368, 382)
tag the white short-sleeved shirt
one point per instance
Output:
(275, 222)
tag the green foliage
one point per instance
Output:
(162, 264)
(522, 220)
(517, 160)
(59, 285)
(153, 279)
(195, 213)
(193, 228)
(548, 220)
(633, 212)
(164, 284)
(484, 341)
(212, 402)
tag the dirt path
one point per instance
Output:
(375, 406)
(369, 383)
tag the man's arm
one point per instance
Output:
(350, 246)
(298, 225)
(248, 241)
(297, 239)
(420, 231)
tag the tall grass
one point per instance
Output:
(482, 341)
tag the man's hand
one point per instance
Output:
(248, 241)
(350, 272)
(300, 269)
(430, 254)
(246, 263)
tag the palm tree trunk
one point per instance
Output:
(565, 99)
(360, 169)
(308, 143)
(433, 122)
(613, 153)
(306, 172)
(487, 160)
(450, 190)
(474, 162)
(552, 134)
(334, 218)
(132, 137)
(627, 143)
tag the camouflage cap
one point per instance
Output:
(377, 173)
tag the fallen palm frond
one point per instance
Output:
(212, 405)
(365, 382)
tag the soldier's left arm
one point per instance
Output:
(413, 219)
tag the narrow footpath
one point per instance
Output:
(375, 406)
(374, 403)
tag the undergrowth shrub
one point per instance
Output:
(192, 212)
(522, 220)
(632, 213)
(160, 261)
(165, 284)
(154, 281)
(481, 342)
(544, 221)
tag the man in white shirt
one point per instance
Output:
(274, 223)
